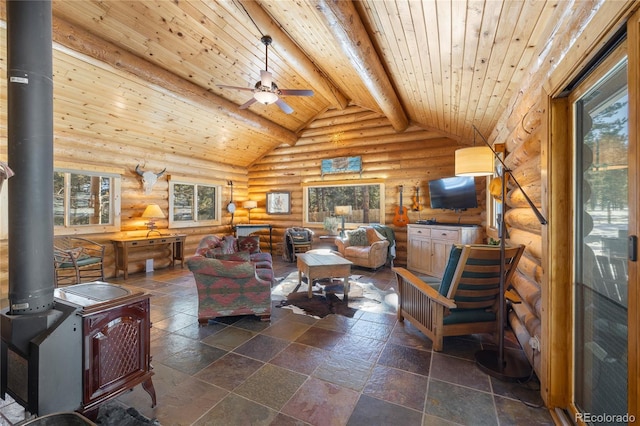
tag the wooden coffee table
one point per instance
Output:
(323, 265)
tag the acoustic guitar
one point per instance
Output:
(401, 218)
(416, 201)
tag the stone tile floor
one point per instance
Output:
(297, 370)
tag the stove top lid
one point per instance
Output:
(92, 293)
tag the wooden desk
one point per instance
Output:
(243, 230)
(323, 265)
(121, 248)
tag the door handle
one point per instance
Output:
(633, 248)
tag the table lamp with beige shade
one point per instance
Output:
(153, 212)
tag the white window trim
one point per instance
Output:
(115, 202)
(219, 185)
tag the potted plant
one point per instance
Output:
(331, 224)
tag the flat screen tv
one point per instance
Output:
(454, 193)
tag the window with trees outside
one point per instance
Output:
(194, 203)
(366, 199)
(85, 201)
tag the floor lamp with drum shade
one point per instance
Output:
(342, 211)
(249, 205)
(480, 161)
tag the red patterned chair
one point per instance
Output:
(231, 279)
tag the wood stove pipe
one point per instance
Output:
(30, 154)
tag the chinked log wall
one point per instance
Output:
(410, 158)
(523, 158)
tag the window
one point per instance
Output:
(85, 201)
(366, 199)
(194, 203)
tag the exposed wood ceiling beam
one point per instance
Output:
(86, 43)
(350, 33)
(293, 55)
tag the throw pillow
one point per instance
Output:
(358, 237)
(229, 244)
(250, 243)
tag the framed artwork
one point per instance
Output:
(278, 202)
(341, 165)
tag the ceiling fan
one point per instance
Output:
(265, 91)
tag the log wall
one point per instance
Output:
(86, 153)
(410, 158)
(524, 145)
(133, 200)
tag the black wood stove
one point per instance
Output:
(62, 349)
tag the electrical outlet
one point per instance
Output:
(534, 342)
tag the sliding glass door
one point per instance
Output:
(600, 288)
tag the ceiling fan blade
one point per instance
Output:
(284, 106)
(266, 78)
(248, 89)
(248, 103)
(295, 92)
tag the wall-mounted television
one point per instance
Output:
(453, 193)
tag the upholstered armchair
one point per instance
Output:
(77, 260)
(364, 247)
(229, 287)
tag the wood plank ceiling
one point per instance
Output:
(156, 65)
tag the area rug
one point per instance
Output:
(328, 297)
(114, 414)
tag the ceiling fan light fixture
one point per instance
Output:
(265, 91)
(265, 97)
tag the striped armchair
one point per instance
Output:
(466, 300)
